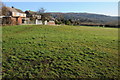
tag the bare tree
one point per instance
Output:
(41, 11)
(3, 9)
(1, 5)
(4, 12)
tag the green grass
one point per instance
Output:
(36, 51)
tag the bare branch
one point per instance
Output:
(41, 11)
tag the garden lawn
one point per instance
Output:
(37, 51)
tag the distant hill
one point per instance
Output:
(87, 18)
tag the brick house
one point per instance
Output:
(13, 17)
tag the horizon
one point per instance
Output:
(101, 8)
(86, 13)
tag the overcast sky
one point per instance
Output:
(106, 8)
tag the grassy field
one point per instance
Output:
(36, 51)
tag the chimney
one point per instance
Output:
(12, 7)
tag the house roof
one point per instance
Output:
(19, 10)
(14, 10)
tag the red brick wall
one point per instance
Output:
(8, 21)
(51, 23)
(19, 20)
(13, 21)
